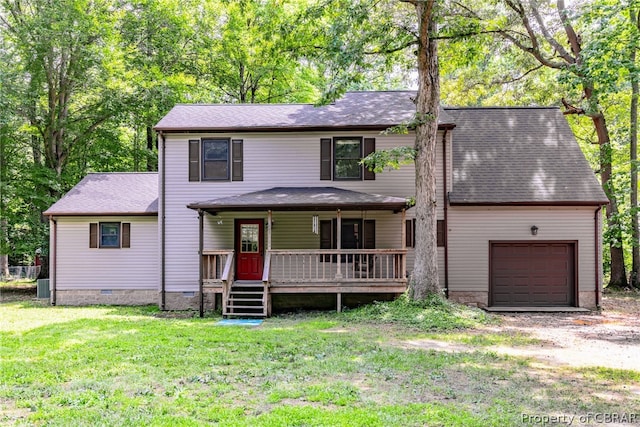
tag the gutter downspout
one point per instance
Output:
(597, 254)
(445, 196)
(163, 227)
(53, 258)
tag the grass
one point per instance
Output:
(117, 366)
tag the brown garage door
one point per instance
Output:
(532, 274)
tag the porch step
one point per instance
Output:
(246, 299)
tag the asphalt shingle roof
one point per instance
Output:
(519, 155)
(118, 193)
(303, 198)
(354, 110)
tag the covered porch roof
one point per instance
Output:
(302, 199)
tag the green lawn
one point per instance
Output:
(139, 367)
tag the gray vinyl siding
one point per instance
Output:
(471, 230)
(270, 160)
(79, 267)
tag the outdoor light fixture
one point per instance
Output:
(534, 230)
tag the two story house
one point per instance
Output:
(267, 205)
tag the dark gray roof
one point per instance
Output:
(357, 110)
(118, 193)
(519, 156)
(303, 198)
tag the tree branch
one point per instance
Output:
(571, 109)
(392, 49)
(574, 39)
(534, 49)
(552, 41)
(471, 33)
(515, 79)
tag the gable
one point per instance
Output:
(519, 155)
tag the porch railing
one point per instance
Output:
(336, 265)
(217, 267)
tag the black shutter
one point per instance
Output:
(325, 159)
(126, 234)
(93, 235)
(194, 160)
(326, 234)
(410, 233)
(369, 147)
(441, 232)
(369, 238)
(237, 157)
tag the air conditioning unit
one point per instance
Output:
(43, 289)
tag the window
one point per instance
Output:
(340, 158)
(355, 234)
(346, 158)
(110, 235)
(215, 159)
(411, 233)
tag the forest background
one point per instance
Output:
(82, 82)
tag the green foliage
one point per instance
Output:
(431, 314)
(391, 158)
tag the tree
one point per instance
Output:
(634, 70)
(362, 34)
(252, 51)
(424, 279)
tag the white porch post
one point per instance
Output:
(269, 227)
(403, 244)
(338, 243)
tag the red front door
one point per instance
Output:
(249, 249)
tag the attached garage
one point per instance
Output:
(533, 274)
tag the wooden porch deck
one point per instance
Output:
(335, 271)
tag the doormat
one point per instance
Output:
(240, 322)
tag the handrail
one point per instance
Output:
(228, 267)
(266, 270)
(217, 252)
(337, 251)
(336, 265)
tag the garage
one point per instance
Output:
(533, 274)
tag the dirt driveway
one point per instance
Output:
(609, 339)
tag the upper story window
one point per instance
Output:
(340, 158)
(215, 159)
(347, 153)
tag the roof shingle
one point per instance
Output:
(519, 155)
(303, 198)
(354, 110)
(118, 193)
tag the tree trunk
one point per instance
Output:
(618, 272)
(424, 280)
(150, 145)
(633, 156)
(4, 265)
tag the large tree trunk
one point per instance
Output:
(618, 272)
(633, 156)
(424, 280)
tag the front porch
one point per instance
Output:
(348, 261)
(304, 271)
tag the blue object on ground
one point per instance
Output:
(240, 322)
